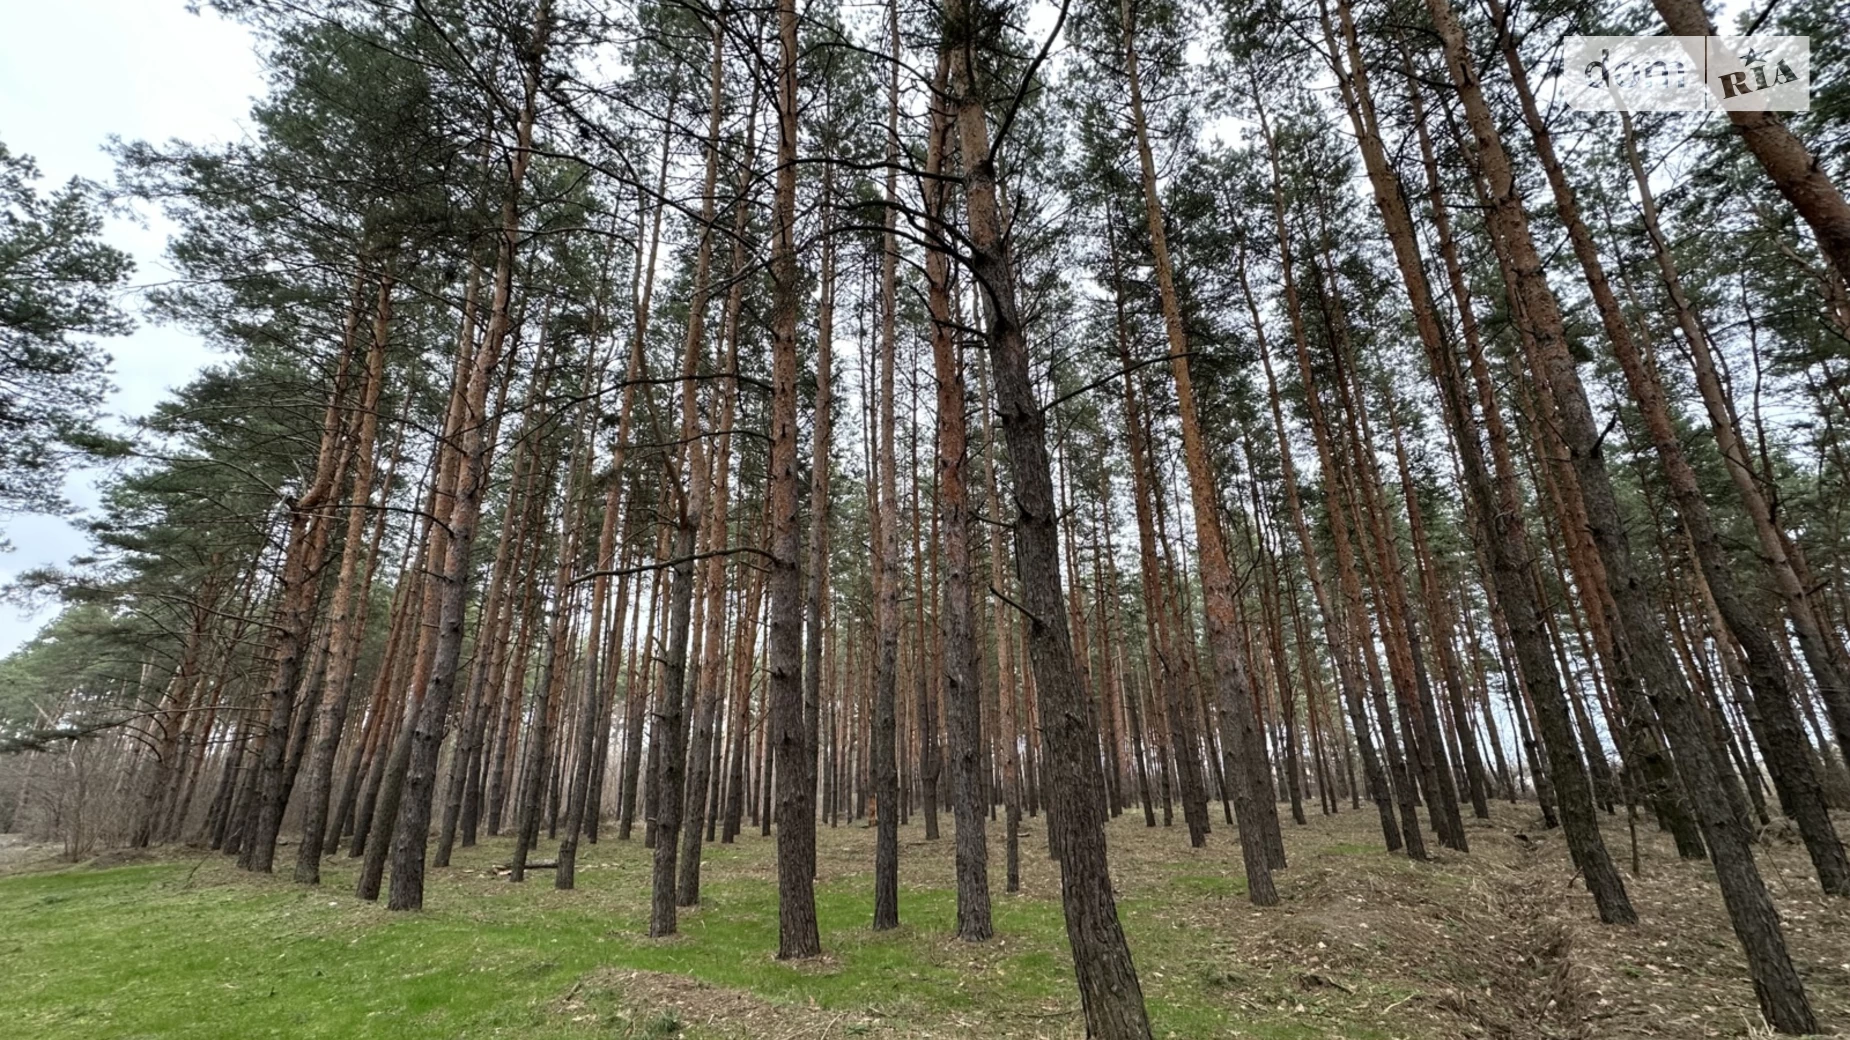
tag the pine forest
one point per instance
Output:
(1121, 519)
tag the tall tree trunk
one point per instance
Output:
(1750, 907)
(1166, 686)
(1242, 742)
(1109, 991)
(347, 617)
(962, 671)
(886, 539)
(797, 935)
(1798, 174)
(411, 836)
(309, 528)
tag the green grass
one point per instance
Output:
(1350, 848)
(194, 949)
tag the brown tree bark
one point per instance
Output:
(1756, 923)
(347, 615)
(411, 836)
(956, 619)
(1167, 685)
(797, 935)
(1109, 991)
(309, 529)
(1242, 742)
(1798, 174)
(886, 536)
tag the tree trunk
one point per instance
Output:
(347, 617)
(1242, 742)
(1781, 993)
(1798, 174)
(797, 935)
(962, 685)
(1108, 986)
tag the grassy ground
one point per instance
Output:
(1366, 946)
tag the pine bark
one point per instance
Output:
(1109, 991)
(1242, 742)
(1750, 907)
(347, 615)
(797, 935)
(956, 618)
(1793, 169)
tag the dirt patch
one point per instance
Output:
(654, 1004)
(1505, 943)
(1535, 986)
(120, 858)
(1502, 943)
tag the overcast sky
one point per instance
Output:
(73, 72)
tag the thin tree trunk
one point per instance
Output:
(962, 669)
(1243, 744)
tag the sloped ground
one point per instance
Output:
(1500, 943)
(17, 854)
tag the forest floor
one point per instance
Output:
(1500, 943)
